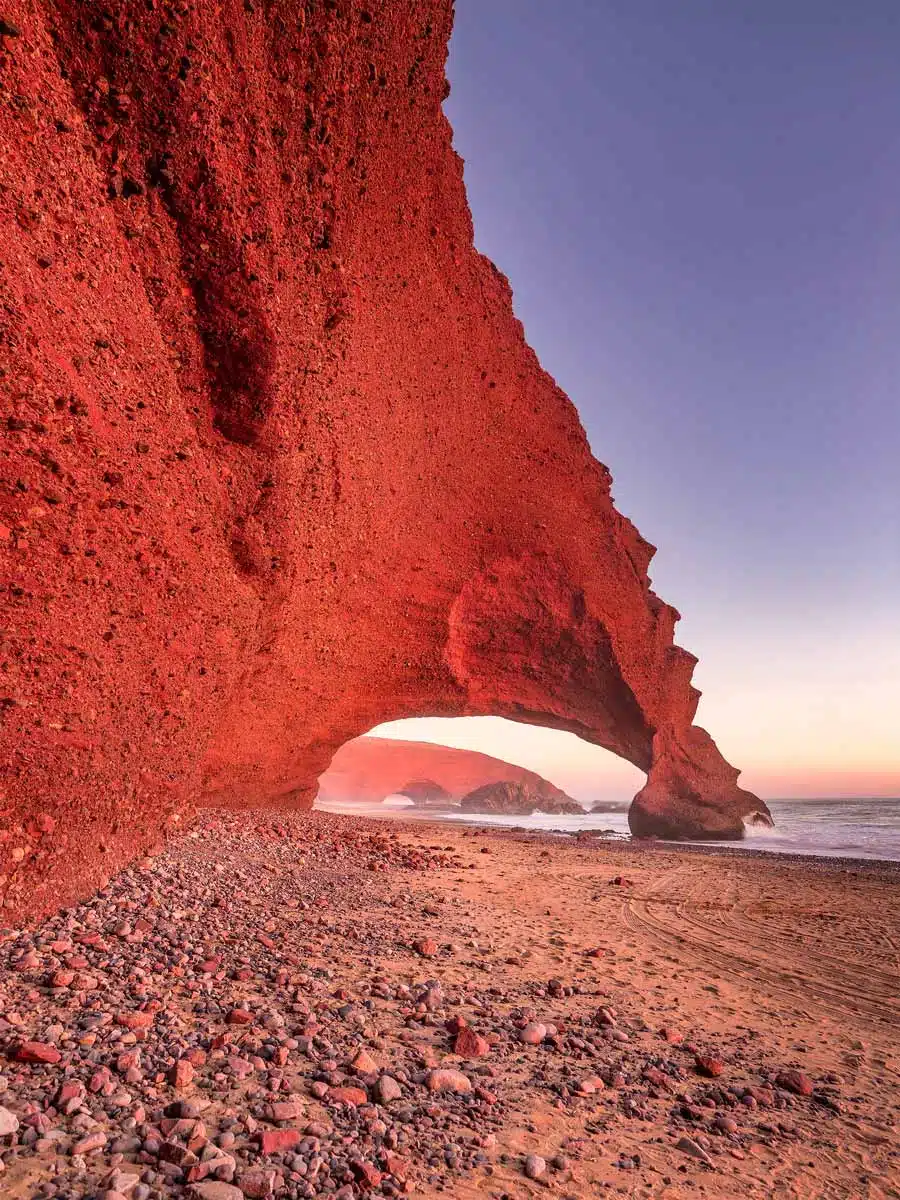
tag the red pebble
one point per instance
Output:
(706, 1065)
(469, 1044)
(182, 1074)
(36, 1052)
(347, 1095)
(276, 1141)
(796, 1082)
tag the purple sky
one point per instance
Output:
(697, 206)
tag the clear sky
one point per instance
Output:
(697, 206)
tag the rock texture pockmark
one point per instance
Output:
(278, 463)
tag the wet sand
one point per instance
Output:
(339, 934)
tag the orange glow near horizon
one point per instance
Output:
(809, 784)
(815, 712)
(590, 773)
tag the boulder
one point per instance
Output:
(425, 793)
(515, 799)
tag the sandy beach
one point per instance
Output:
(297, 1005)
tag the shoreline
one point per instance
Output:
(226, 1013)
(712, 846)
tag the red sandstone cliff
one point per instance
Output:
(278, 463)
(370, 768)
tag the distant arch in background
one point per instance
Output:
(585, 771)
(462, 754)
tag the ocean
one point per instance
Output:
(859, 827)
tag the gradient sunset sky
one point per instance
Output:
(697, 206)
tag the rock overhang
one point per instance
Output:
(278, 463)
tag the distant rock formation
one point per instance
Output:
(279, 463)
(425, 793)
(515, 799)
(370, 768)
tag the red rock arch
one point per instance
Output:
(278, 462)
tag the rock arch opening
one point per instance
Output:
(439, 764)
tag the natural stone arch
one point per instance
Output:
(304, 473)
(425, 792)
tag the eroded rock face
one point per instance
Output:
(278, 463)
(515, 799)
(370, 768)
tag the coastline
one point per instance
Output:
(613, 838)
(685, 988)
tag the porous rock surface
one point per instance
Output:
(278, 463)
(370, 768)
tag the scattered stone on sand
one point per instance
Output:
(353, 1096)
(796, 1082)
(469, 1044)
(87, 1145)
(36, 1052)
(447, 1080)
(387, 1089)
(535, 1166)
(708, 1065)
(364, 1063)
(213, 1190)
(9, 1122)
(533, 1033)
(688, 1146)
(262, 1030)
(182, 1074)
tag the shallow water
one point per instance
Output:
(860, 827)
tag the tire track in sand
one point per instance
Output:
(756, 949)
